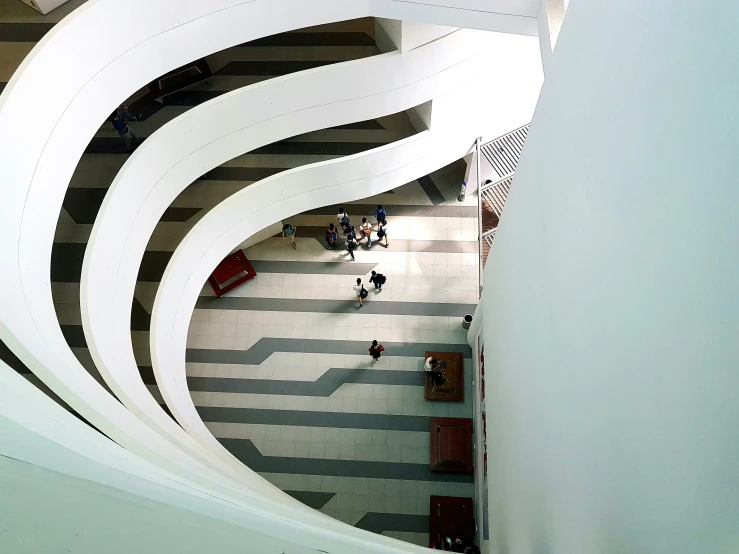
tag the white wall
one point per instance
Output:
(388, 34)
(611, 305)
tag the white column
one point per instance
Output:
(611, 298)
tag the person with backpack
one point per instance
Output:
(289, 231)
(351, 245)
(382, 233)
(343, 218)
(361, 291)
(378, 279)
(380, 214)
(119, 119)
(331, 236)
(366, 229)
(376, 351)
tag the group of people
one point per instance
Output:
(353, 236)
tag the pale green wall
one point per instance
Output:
(46, 512)
(611, 293)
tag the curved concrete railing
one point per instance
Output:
(460, 115)
(165, 164)
(44, 130)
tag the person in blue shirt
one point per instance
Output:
(119, 119)
(380, 214)
(288, 230)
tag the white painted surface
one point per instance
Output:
(418, 34)
(38, 159)
(208, 136)
(611, 306)
(342, 180)
(388, 34)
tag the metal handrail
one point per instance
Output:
(491, 184)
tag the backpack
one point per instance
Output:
(381, 215)
(363, 293)
(350, 244)
(382, 278)
(380, 232)
(345, 220)
(331, 235)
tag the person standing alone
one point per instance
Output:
(382, 233)
(119, 119)
(376, 351)
(288, 230)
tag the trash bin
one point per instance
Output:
(466, 321)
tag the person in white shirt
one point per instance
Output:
(366, 231)
(343, 218)
(361, 291)
(434, 369)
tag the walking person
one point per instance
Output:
(376, 351)
(366, 230)
(380, 214)
(343, 218)
(361, 291)
(378, 279)
(331, 236)
(351, 245)
(119, 119)
(382, 233)
(288, 230)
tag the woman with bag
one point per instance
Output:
(366, 229)
(375, 351)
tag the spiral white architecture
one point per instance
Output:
(601, 366)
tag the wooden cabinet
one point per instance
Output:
(451, 444)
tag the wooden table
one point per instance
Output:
(453, 517)
(231, 272)
(452, 391)
(451, 444)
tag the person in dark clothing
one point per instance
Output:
(119, 119)
(376, 351)
(351, 245)
(331, 236)
(378, 279)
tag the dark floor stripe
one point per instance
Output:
(265, 347)
(317, 38)
(324, 386)
(378, 522)
(24, 32)
(83, 205)
(312, 268)
(271, 68)
(114, 145)
(241, 173)
(2, 87)
(74, 335)
(245, 451)
(357, 211)
(9, 357)
(140, 318)
(431, 190)
(315, 500)
(335, 306)
(403, 245)
(305, 418)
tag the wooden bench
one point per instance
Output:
(453, 390)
